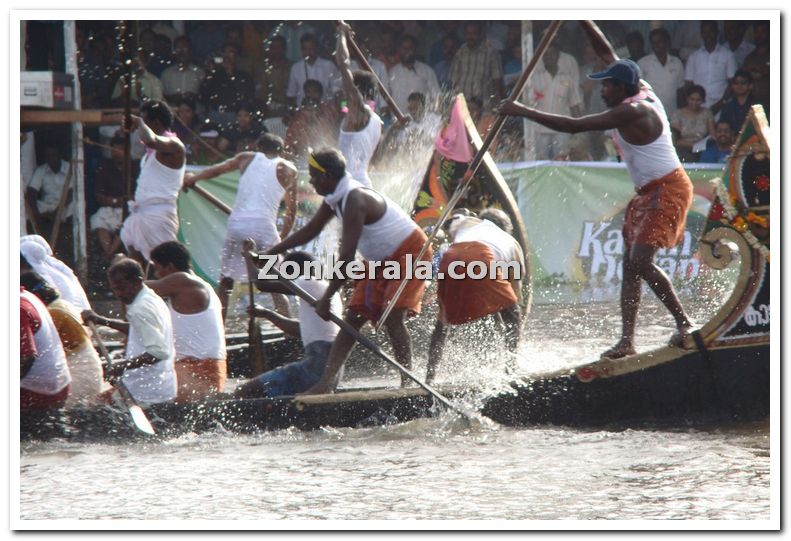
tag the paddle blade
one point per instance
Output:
(140, 420)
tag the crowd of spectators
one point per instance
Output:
(231, 81)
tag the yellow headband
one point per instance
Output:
(314, 164)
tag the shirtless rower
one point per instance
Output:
(361, 128)
(382, 232)
(656, 216)
(198, 331)
(152, 216)
(464, 300)
(267, 178)
(147, 369)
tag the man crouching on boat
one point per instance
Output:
(196, 314)
(147, 370)
(316, 333)
(656, 215)
(382, 232)
(464, 300)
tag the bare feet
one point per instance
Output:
(679, 337)
(619, 350)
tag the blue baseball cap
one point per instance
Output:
(625, 71)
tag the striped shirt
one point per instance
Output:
(473, 70)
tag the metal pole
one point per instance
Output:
(77, 154)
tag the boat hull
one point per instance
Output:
(723, 385)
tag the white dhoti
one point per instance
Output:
(149, 226)
(232, 263)
(109, 218)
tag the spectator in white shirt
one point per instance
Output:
(46, 186)
(554, 90)
(311, 67)
(663, 71)
(712, 66)
(410, 75)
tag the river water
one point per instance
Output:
(429, 469)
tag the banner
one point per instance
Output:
(573, 213)
(202, 226)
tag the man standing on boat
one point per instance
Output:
(147, 369)
(317, 334)
(196, 314)
(152, 216)
(656, 216)
(267, 178)
(464, 300)
(361, 128)
(382, 232)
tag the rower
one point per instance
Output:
(464, 300)
(317, 334)
(85, 367)
(196, 313)
(44, 374)
(147, 369)
(267, 178)
(385, 236)
(361, 128)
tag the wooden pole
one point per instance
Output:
(64, 195)
(211, 198)
(370, 344)
(126, 56)
(476, 162)
(79, 228)
(382, 90)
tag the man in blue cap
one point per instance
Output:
(656, 216)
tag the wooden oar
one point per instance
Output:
(214, 200)
(257, 357)
(136, 413)
(382, 90)
(370, 344)
(476, 162)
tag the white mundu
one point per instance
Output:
(150, 331)
(311, 327)
(153, 218)
(358, 147)
(201, 335)
(254, 214)
(49, 373)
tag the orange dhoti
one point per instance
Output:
(462, 300)
(657, 215)
(199, 378)
(370, 297)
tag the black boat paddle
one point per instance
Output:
(136, 413)
(367, 342)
